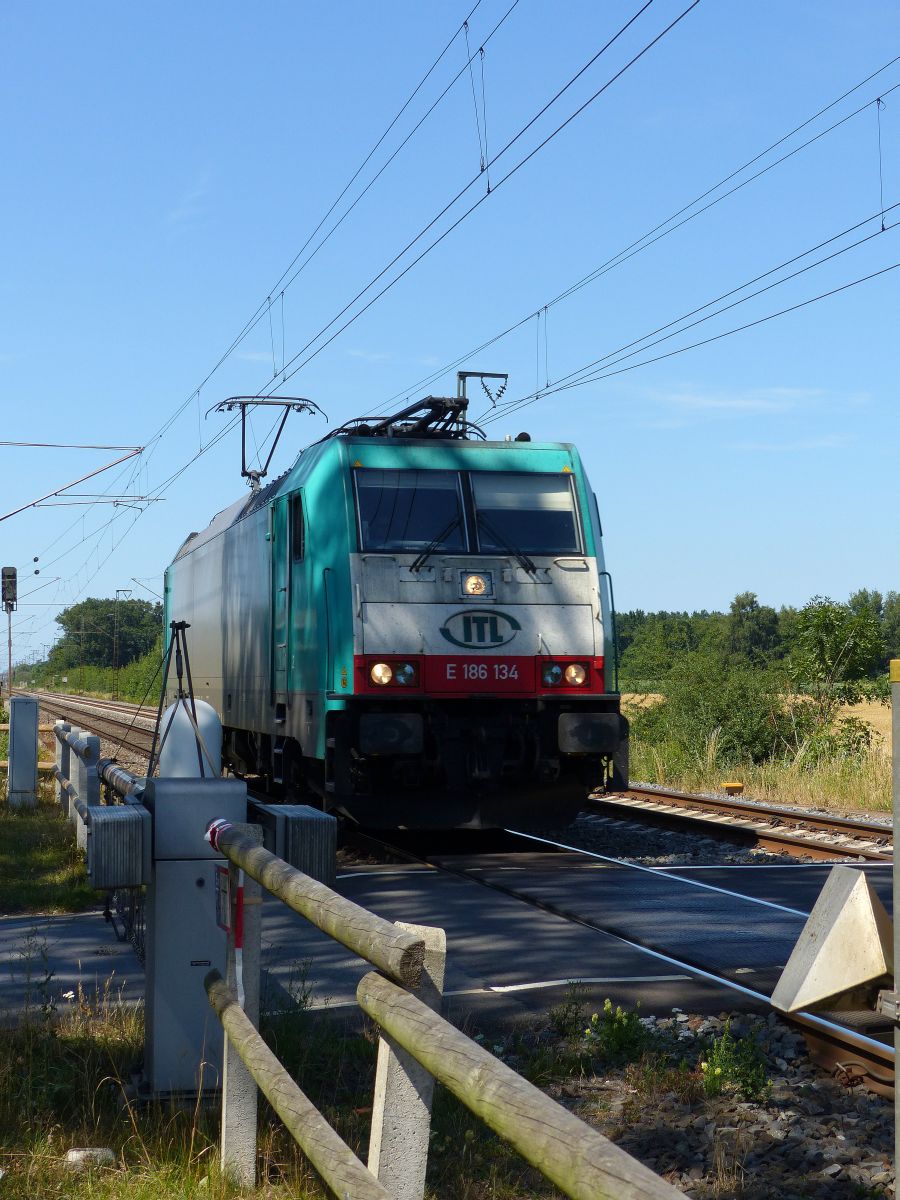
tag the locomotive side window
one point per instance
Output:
(532, 513)
(410, 510)
(297, 536)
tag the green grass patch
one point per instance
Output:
(41, 869)
(63, 1084)
(65, 1071)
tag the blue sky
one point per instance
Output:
(165, 163)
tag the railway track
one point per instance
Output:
(770, 827)
(121, 726)
(853, 1053)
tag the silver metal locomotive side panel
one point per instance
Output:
(193, 582)
(220, 586)
(245, 617)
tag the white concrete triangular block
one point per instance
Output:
(846, 942)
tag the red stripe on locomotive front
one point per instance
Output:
(455, 675)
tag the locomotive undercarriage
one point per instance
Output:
(442, 764)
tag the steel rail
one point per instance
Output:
(753, 807)
(749, 822)
(121, 731)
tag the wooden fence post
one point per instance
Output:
(339, 1167)
(239, 1093)
(401, 1111)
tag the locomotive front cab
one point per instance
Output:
(481, 629)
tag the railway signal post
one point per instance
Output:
(9, 595)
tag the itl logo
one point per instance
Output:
(477, 628)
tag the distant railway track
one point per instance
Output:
(121, 726)
(770, 827)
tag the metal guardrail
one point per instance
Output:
(417, 1047)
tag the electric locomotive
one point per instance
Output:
(413, 626)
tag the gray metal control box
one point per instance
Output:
(303, 836)
(23, 752)
(184, 941)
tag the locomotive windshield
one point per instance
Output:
(409, 510)
(534, 514)
(425, 510)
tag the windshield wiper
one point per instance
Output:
(506, 546)
(421, 559)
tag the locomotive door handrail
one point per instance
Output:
(280, 591)
(329, 680)
(615, 632)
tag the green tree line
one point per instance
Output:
(106, 647)
(863, 632)
(758, 685)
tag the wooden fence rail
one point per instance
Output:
(392, 950)
(332, 1158)
(575, 1157)
(580, 1161)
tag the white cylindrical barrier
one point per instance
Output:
(182, 750)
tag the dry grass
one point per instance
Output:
(63, 1076)
(854, 785)
(634, 702)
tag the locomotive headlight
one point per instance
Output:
(575, 674)
(405, 674)
(552, 675)
(381, 674)
(474, 585)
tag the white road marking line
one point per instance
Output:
(546, 983)
(410, 870)
(502, 989)
(617, 862)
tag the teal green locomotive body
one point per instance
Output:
(414, 631)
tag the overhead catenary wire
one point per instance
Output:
(154, 440)
(468, 212)
(879, 105)
(643, 242)
(642, 344)
(286, 278)
(393, 155)
(469, 57)
(525, 401)
(180, 471)
(450, 204)
(214, 441)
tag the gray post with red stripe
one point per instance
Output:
(242, 963)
